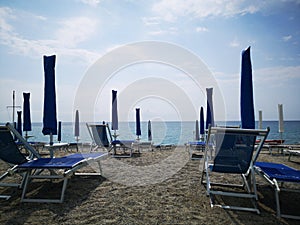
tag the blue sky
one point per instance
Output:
(79, 32)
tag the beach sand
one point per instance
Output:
(129, 193)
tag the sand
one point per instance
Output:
(159, 187)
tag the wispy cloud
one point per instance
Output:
(90, 2)
(201, 29)
(70, 34)
(287, 38)
(149, 21)
(234, 43)
(170, 10)
(75, 30)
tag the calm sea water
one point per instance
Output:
(164, 132)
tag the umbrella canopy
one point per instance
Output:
(114, 115)
(19, 122)
(149, 131)
(201, 121)
(49, 118)
(76, 128)
(197, 137)
(59, 132)
(138, 122)
(26, 112)
(246, 101)
(210, 109)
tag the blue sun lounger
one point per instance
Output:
(276, 174)
(102, 138)
(35, 167)
(69, 164)
(195, 146)
(231, 151)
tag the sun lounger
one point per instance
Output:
(31, 166)
(100, 133)
(276, 175)
(69, 164)
(194, 147)
(229, 151)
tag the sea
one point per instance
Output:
(170, 132)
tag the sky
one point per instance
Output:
(84, 33)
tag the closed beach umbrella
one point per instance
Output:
(210, 109)
(149, 131)
(59, 132)
(260, 119)
(280, 121)
(246, 101)
(138, 122)
(26, 113)
(19, 122)
(197, 137)
(76, 128)
(114, 115)
(49, 117)
(201, 121)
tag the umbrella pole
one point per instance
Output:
(51, 139)
(115, 135)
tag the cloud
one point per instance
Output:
(170, 30)
(201, 29)
(150, 21)
(75, 30)
(287, 38)
(93, 3)
(170, 10)
(70, 34)
(275, 75)
(234, 43)
(5, 13)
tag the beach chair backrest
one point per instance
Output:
(233, 148)
(99, 133)
(9, 151)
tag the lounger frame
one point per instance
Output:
(248, 183)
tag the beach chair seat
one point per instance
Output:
(68, 164)
(229, 154)
(276, 175)
(102, 138)
(31, 166)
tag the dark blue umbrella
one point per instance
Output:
(114, 115)
(197, 137)
(210, 110)
(59, 132)
(26, 113)
(138, 122)
(149, 131)
(201, 121)
(247, 104)
(76, 128)
(49, 118)
(19, 122)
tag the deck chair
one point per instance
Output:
(277, 175)
(34, 167)
(11, 154)
(229, 153)
(195, 147)
(102, 138)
